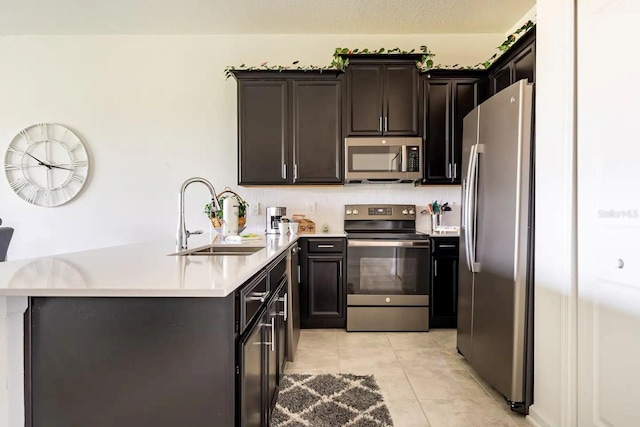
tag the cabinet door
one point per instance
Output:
(437, 128)
(524, 65)
(325, 291)
(263, 121)
(252, 376)
(444, 292)
(501, 79)
(465, 98)
(317, 131)
(364, 99)
(400, 115)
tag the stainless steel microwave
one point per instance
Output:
(382, 159)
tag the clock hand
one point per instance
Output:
(39, 162)
(59, 167)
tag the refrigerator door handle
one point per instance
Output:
(466, 209)
(472, 207)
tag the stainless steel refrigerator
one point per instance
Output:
(495, 302)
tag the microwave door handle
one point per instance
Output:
(404, 158)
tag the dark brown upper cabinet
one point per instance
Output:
(382, 97)
(448, 96)
(263, 131)
(317, 131)
(290, 127)
(518, 63)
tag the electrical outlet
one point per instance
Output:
(311, 207)
(255, 209)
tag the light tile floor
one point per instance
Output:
(425, 382)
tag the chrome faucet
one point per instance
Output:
(183, 233)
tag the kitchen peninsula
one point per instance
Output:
(132, 336)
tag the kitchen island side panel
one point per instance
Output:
(131, 362)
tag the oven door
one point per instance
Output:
(381, 270)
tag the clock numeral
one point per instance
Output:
(9, 167)
(13, 150)
(44, 131)
(66, 193)
(77, 178)
(48, 197)
(79, 163)
(26, 137)
(73, 147)
(32, 195)
(18, 184)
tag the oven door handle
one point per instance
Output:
(418, 244)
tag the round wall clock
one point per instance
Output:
(46, 164)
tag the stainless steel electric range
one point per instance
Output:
(388, 266)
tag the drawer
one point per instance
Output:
(277, 271)
(252, 297)
(326, 245)
(445, 246)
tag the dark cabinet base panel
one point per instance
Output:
(130, 362)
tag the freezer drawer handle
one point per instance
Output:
(447, 246)
(326, 246)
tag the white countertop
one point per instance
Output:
(140, 270)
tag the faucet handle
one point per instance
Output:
(191, 233)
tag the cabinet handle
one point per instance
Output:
(257, 296)
(449, 171)
(435, 268)
(271, 325)
(283, 313)
(455, 170)
(380, 124)
(447, 246)
(298, 274)
(340, 269)
(284, 171)
(386, 124)
(325, 246)
(295, 171)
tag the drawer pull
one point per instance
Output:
(447, 246)
(326, 246)
(257, 296)
(284, 312)
(272, 326)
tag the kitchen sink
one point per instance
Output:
(225, 250)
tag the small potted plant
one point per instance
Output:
(216, 216)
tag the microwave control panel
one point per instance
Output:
(413, 159)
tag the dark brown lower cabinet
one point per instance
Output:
(161, 362)
(252, 375)
(443, 297)
(322, 289)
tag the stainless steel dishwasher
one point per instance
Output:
(293, 303)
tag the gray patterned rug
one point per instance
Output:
(330, 400)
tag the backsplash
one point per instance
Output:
(330, 201)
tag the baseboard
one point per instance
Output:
(537, 420)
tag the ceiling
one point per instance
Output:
(259, 16)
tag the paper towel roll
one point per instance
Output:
(229, 217)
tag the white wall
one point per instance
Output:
(155, 110)
(555, 258)
(529, 16)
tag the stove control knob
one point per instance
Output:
(355, 211)
(349, 211)
(412, 212)
(405, 212)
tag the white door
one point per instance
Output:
(608, 213)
